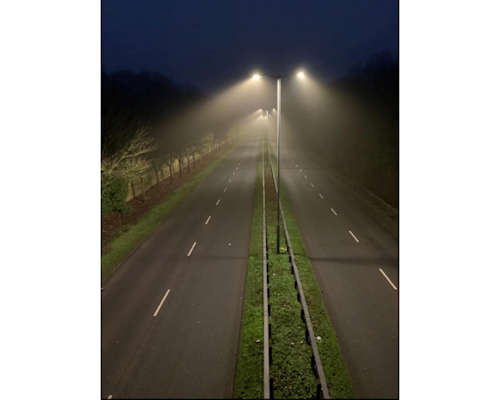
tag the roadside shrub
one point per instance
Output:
(114, 192)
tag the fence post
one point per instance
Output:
(133, 188)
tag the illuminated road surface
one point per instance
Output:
(355, 261)
(171, 314)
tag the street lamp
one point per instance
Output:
(301, 75)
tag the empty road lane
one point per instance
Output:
(171, 313)
(355, 261)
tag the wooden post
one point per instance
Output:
(156, 173)
(133, 189)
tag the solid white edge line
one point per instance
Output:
(218, 202)
(208, 220)
(388, 280)
(355, 238)
(333, 211)
(191, 250)
(161, 303)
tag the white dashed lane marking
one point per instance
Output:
(218, 202)
(354, 236)
(320, 195)
(208, 220)
(333, 211)
(159, 306)
(387, 278)
(191, 249)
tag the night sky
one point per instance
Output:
(210, 44)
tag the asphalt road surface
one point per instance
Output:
(355, 259)
(171, 314)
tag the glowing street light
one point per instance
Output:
(256, 77)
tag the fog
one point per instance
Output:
(350, 126)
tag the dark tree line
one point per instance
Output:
(131, 101)
(376, 81)
(147, 123)
(354, 126)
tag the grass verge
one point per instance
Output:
(129, 240)
(249, 372)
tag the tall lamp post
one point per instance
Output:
(255, 77)
(278, 118)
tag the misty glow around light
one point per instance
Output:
(301, 75)
(255, 77)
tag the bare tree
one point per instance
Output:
(132, 161)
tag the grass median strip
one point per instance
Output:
(337, 376)
(249, 373)
(291, 367)
(123, 245)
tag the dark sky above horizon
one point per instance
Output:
(210, 44)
